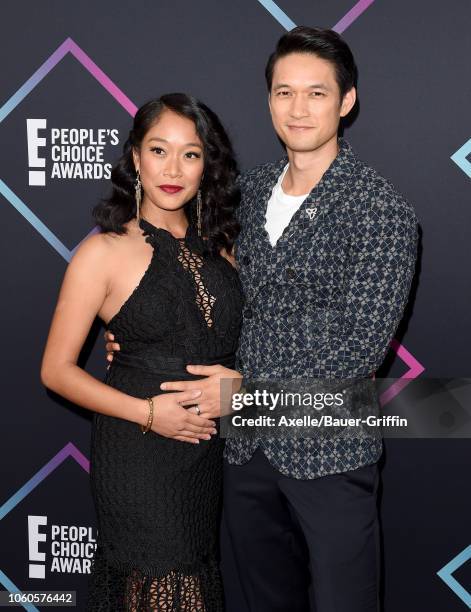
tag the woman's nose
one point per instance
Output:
(172, 168)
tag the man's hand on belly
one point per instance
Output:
(211, 403)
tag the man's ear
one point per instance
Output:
(348, 102)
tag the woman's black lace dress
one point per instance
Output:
(158, 500)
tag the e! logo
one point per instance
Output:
(36, 178)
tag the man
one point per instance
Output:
(326, 254)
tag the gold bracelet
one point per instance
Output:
(150, 418)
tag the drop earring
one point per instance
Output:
(138, 194)
(199, 205)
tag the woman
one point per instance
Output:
(162, 279)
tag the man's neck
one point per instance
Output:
(307, 168)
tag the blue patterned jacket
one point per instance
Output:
(325, 302)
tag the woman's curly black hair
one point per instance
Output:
(220, 194)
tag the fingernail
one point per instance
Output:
(163, 386)
(207, 437)
(214, 431)
(196, 393)
(197, 441)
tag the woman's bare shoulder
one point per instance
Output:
(97, 254)
(94, 247)
(106, 243)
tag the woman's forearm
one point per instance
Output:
(79, 387)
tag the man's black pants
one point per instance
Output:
(300, 545)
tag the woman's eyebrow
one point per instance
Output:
(188, 144)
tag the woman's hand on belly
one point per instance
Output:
(171, 420)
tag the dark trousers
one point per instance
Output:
(300, 545)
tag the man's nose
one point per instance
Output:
(299, 107)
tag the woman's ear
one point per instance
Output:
(136, 159)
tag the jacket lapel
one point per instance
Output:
(263, 191)
(326, 195)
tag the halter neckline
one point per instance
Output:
(149, 227)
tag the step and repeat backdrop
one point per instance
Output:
(73, 75)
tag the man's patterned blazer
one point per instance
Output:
(325, 301)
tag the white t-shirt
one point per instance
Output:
(280, 208)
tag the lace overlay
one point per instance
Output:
(192, 263)
(158, 500)
(134, 590)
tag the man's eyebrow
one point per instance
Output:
(188, 144)
(318, 86)
(313, 86)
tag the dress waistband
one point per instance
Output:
(166, 365)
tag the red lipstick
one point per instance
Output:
(170, 188)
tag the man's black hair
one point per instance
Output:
(323, 43)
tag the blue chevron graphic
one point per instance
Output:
(446, 572)
(460, 158)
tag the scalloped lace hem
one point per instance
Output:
(182, 589)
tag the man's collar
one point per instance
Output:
(339, 170)
(343, 165)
